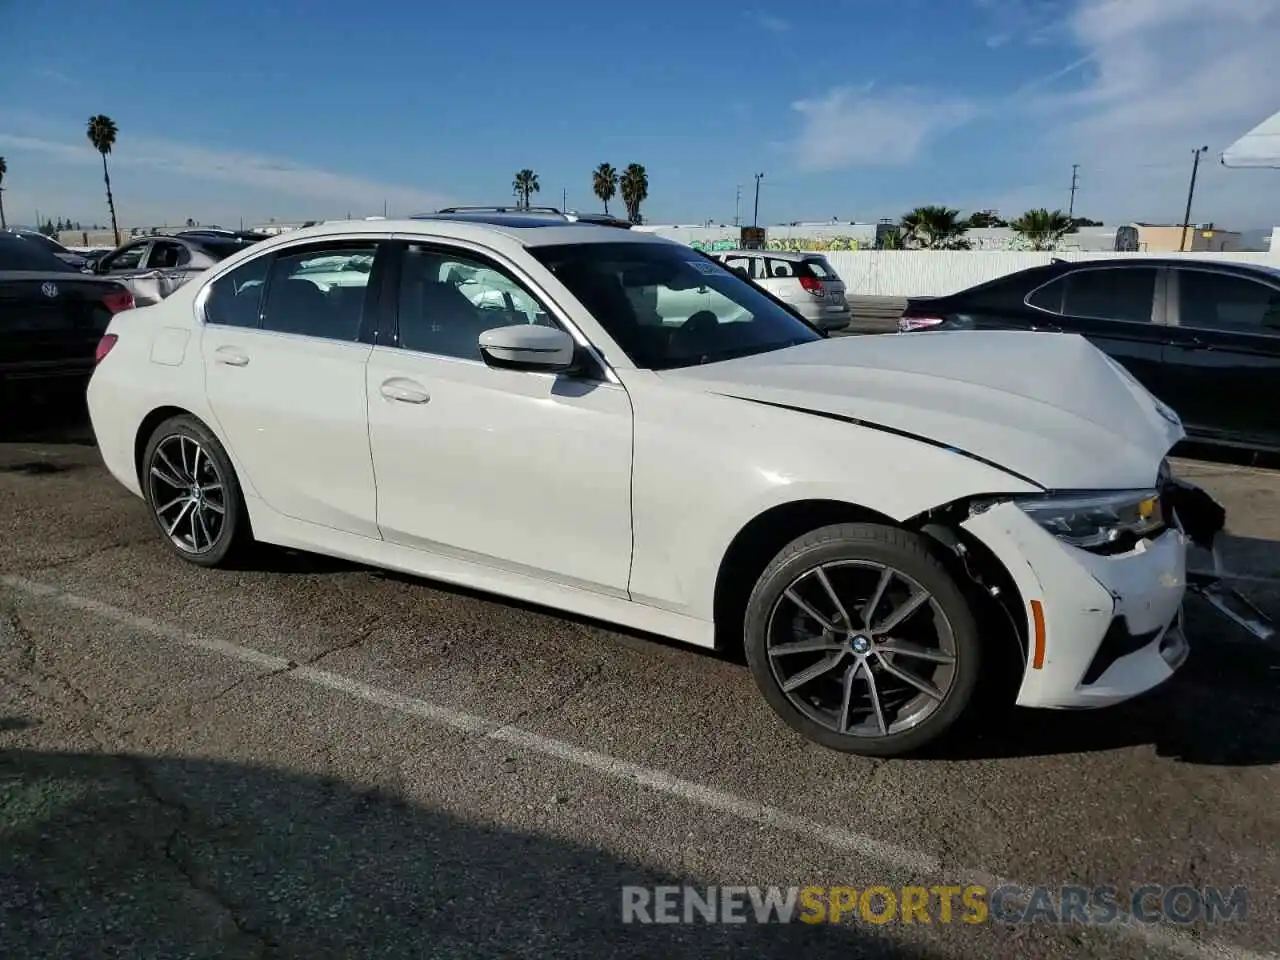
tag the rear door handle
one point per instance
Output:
(404, 390)
(231, 356)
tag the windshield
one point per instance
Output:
(18, 253)
(668, 306)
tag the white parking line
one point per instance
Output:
(917, 862)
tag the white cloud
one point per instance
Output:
(1165, 77)
(771, 23)
(35, 179)
(861, 127)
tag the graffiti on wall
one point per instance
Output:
(787, 244)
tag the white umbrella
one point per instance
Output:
(1260, 147)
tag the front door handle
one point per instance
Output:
(404, 390)
(231, 356)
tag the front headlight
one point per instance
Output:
(1092, 521)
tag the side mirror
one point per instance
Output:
(524, 346)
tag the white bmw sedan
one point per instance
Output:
(877, 523)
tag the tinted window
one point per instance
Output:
(1220, 302)
(234, 298)
(17, 253)
(1049, 297)
(128, 258)
(447, 300)
(666, 306)
(1124, 293)
(319, 293)
(779, 268)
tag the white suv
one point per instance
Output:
(805, 281)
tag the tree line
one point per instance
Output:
(942, 228)
(606, 183)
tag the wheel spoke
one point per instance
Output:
(841, 613)
(204, 527)
(195, 464)
(210, 487)
(172, 503)
(874, 693)
(825, 665)
(903, 649)
(178, 519)
(847, 696)
(908, 607)
(803, 604)
(215, 507)
(814, 645)
(869, 611)
(176, 476)
(924, 686)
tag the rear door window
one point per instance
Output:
(1217, 301)
(777, 269)
(1114, 293)
(820, 268)
(319, 293)
(165, 254)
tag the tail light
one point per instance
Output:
(813, 285)
(118, 300)
(104, 347)
(907, 324)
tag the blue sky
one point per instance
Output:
(854, 109)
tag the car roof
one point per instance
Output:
(544, 232)
(793, 255)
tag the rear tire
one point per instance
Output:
(861, 641)
(193, 493)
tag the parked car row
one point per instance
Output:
(1202, 336)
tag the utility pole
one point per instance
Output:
(755, 216)
(564, 199)
(1186, 217)
(1071, 210)
(737, 207)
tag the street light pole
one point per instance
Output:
(755, 216)
(1186, 217)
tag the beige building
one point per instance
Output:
(1202, 237)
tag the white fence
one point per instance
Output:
(926, 273)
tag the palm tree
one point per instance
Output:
(525, 185)
(1043, 229)
(935, 228)
(635, 190)
(4, 168)
(102, 134)
(604, 183)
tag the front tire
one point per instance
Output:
(861, 640)
(193, 494)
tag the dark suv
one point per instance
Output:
(1203, 336)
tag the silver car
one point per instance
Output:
(153, 267)
(804, 281)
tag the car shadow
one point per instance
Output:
(124, 855)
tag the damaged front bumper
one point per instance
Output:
(1202, 519)
(1104, 628)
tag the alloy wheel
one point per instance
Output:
(188, 494)
(861, 648)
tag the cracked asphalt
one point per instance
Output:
(305, 758)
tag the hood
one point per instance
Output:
(1049, 407)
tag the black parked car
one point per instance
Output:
(52, 317)
(1203, 336)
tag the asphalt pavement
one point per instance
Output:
(305, 758)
